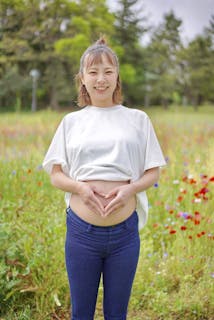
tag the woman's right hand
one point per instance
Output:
(88, 195)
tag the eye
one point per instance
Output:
(109, 72)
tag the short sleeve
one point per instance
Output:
(56, 153)
(153, 156)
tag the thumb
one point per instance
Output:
(95, 190)
(111, 193)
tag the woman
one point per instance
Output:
(104, 157)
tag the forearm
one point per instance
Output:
(149, 178)
(64, 183)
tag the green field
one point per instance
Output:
(175, 276)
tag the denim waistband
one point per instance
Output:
(86, 224)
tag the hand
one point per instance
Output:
(88, 195)
(120, 195)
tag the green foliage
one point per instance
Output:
(72, 47)
(51, 36)
(161, 59)
(174, 279)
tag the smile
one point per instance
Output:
(101, 88)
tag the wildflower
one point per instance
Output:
(175, 181)
(202, 192)
(179, 198)
(172, 231)
(167, 159)
(190, 237)
(29, 171)
(184, 191)
(183, 215)
(156, 185)
(197, 200)
(183, 228)
(14, 172)
(192, 181)
(212, 179)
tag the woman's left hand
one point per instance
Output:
(120, 196)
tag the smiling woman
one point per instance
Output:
(104, 157)
(102, 66)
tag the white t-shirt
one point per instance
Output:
(114, 143)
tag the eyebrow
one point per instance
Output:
(96, 68)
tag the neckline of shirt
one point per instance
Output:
(106, 109)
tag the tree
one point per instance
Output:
(129, 27)
(48, 35)
(161, 59)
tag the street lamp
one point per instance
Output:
(34, 73)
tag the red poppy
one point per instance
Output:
(196, 222)
(192, 181)
(179, 199)
(212, 179)
(172, 231)
(183, 228)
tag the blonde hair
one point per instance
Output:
(94, 55)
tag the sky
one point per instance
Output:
(195, 14)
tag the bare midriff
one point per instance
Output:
(81, 209)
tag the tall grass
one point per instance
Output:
(175, 274)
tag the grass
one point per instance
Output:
(175, 274)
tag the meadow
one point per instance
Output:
(175, 275)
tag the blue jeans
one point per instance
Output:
(92, 251)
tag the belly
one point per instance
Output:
(78, 206)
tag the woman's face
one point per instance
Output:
(100, 81)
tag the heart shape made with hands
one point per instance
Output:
(102, 197)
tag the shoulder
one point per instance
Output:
(137, 114)
(74, 116)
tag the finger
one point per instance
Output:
(111, 194)
(95, 190)
(112, 206)
(98, 205)
(96, 209)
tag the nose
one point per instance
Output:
(101, 77)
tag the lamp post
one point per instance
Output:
(34, 73)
